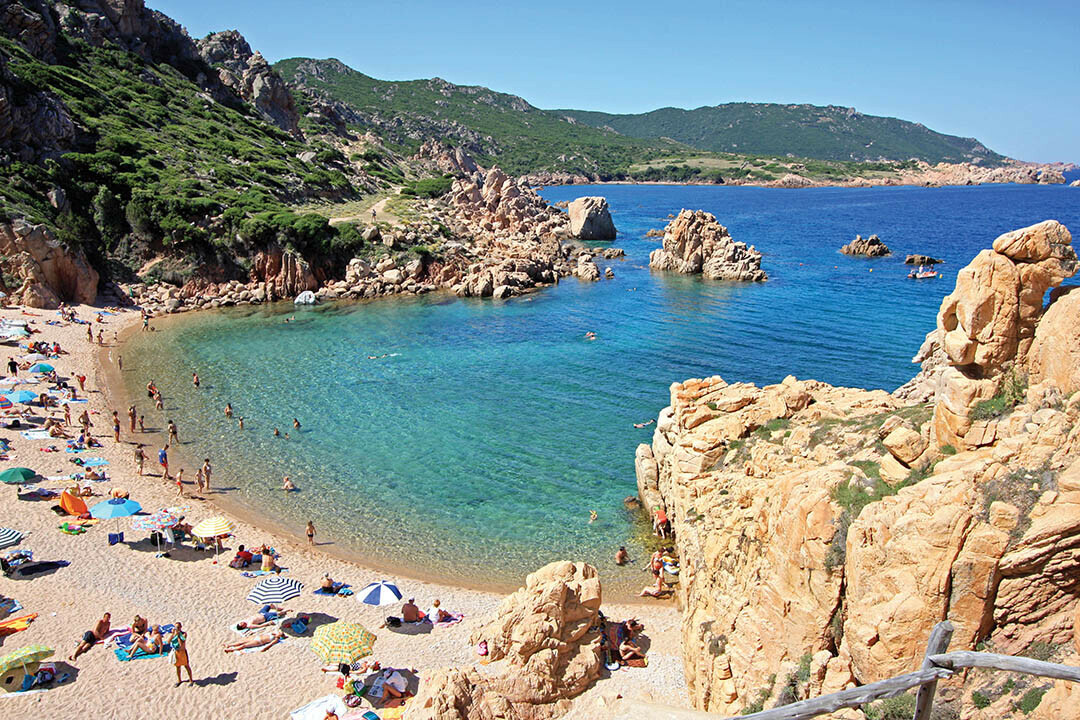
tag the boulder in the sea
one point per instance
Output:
(867, 247)
(48, 272)
(917, 259)
(590, 219)
(694, 242)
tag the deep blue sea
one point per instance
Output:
(474, 451)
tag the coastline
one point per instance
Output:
(127, 579)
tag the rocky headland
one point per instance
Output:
(694, 242)
(824, 530)
(866, 247)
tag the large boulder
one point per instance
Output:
(694, 242)
(590, 219)
(542, 631)
(285, 273)
(1055, 351)
(868, 247)
(49, 273)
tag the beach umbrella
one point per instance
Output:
(275, 589)
(214, 527)
(379, 593)
(115, 508)
(157, 522)
(9, 537)
(16, 475)
(22, 396)
(41, 368)
(5, 404)
(342, 642)
(23, 657)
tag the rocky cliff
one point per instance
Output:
(823, 531)
(46, 272)
(694, 242)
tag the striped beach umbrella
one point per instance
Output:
(24, 656)
(213, 527)
(275, 589)
(5, 404)
(379, 593)
(16, 475)
(9, 537)
(342, 642)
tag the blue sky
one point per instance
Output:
(1007, 73)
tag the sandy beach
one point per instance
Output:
(208, 598)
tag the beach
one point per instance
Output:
(127, 579)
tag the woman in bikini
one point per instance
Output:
(265, 641)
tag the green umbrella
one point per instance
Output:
(23, 657)
(16, 475)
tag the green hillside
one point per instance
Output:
(824, 133)
(494, 127)
(155, 166)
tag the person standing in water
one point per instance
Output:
(310, 532)
(174, 437)
(195, 380)
(206, 469)
(132, 415)
(228, 410)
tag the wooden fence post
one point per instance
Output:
(938, 643)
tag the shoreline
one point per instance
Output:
(127, 579)
(118, 397)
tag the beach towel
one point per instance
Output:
(636, 662)
(338, 588)
(122, 654)
(260, 648)
(73, 402)
(123, 638)
(454, 619)
(115, 632)
(35, 434)
(257, 573)
(94, 462)
(316, 709)
(9, 606)
(14, 625)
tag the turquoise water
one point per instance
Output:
(475, 450)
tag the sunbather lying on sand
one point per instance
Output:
(266, 641)
(266, 616)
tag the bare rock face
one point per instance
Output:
(868, 247)
(590, 219)
(921, 260)
(694, 242)
(987, 324)
(49, 272)
(1055, 351)
(284, 273)
(453, 161)
(251, 77)
(542, 632)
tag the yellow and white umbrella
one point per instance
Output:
(212, 528)
(342, 642)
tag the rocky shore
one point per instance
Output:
(824, 530)
(694, 242)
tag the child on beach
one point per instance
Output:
(310, 532)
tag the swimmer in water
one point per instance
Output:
(641, 425)
(277, 433)
(287, 484)
(592, 516)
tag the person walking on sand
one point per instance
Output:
(310, 532)
(100, 337)
(131, 417)
(180, 483)
(82, 382)
(163, 460)
(178, 643)
(140, 457)
(116, 426)
(13, 367)
(199, 480)
(142, 426)
(195, 380)
(174, 437)
(67, 414)
(89, 333)
(120, 363)
(207, 470)
(92, 637)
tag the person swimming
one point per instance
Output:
(644, 424)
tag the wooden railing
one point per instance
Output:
(937, 665)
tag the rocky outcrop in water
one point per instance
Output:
(590, 219)
(824, 529)
(47, 272)
(867, 247)
(694, 242)
(542, 632)
(921, 260)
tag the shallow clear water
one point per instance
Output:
(475, 450)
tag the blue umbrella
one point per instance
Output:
(41, 368)
(379, 593)
(21, 396)
(115, 508)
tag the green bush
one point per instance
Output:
(1012, 392)
(1030, 700)
(901, 707)
(979, 700)
(429, 187)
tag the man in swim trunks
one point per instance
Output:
(409, 612)
(163, 460)
(90, 637)
(266, 616)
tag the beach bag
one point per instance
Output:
(393, 622)
(117, 537)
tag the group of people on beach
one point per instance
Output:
(143, 637)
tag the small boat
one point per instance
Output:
(925, 275)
